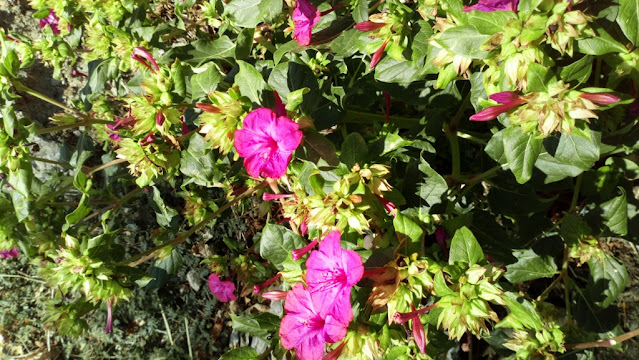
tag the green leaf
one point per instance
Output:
(244, 44)
(538, 77)
(578, 71)
(284, 49)
(21, 178)
(277, 242)
(615, 211)
(261, 325)
(249, 13)
(433, 186)
(347, 43)
(21, 205)
(573, 228)
(241, 353)
(530, 266)
(521, 151)
(608, 279)
(464, 40)
(522, 313)
(601, 44)
(250, 81)
(163, 268)
(489, 23)
(318, 146)
(202, 51)
(164, 214)
(78, 214)
(440, 287)
(465, 248)
(199, 163)
(9, 120)
(628, 19)
(394, 71)
(572, 156)
(495, 147)
(408, 232)
(360, 11)
(83, 150)
(205, 82)
(288, 77)
(354, 150)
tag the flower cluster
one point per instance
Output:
(321, 312)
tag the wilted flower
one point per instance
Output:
(493, 5)
(331, 272)
(267, 142)
(9, 253)
(305, 328)
(305, 16)
(223, 290)
(388, 206)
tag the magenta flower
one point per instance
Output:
(298, 253)
(369, 25)
(377, 56)
(109, 324)
(223, 290)
(305, 328)
(267, 142)
(331, 272)
(493, 5)
(600, 98)
(305, 16)
(509, 100)
(388, 206)
(441, 236)
(417, 327)
(275, 295)
(9, 253)
(52, 20)
(280, 109)
(259, 287)
(145, 58)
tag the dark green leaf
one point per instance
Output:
(202, 51)
(530, 266)
(277, 242)
(164, 214)
(354, 150)
(347, 43)
(205, 82)
(244, 43)
(628, 19)
(465, 248)
(241, 353)
(615, 211)
(261, 325)
(601, 44)
(572, 156)
(83, 150)
(573, 228)
(250, 81)
(249, 13)
(291, 76)
(578, 71)
(408, 232)
(162, 269)
(609, 279)
(521, 151)
(434, 185)
(198, 162)
(318, 146)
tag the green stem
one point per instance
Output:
(22, 277)
(148, 254)
(472, 138)
(604, 343)
(87, 122)
(67, 165)
(598, 70)
(575, 194)
(361, 117)
(92, 171)
(564, 275)
(451, 133)
(40, 96)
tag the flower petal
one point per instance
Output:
(305, 16)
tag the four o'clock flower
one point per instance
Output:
(223, 290)
(417, 327)
(53, 20)
(267, 142)
(9, 253)
(145, 58)
(305, 16)
(509, 100)
(493, 5)
(331, 272)
(600, 98)
(305, 327)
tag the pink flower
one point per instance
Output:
(9, 253)
(305, 328)
(441, 236)
(305, 16)
(508, 98)
(145, 58)
(369, 26)
(185, 127)
(113, 135)
(52, 20)
(258, 288)
(148, 139)
(331, 272)
(269, 196)
(223, 290)
(275, 295)
(280, 109)
(493, 5)
(208, 108)
(388, 206)
(109, 324)
(600, 98)
(377, 56)
(417, 327)
(267, 142)
(298, 253)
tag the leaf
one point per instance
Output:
(9, 119)
(202, 51)
(628, 19)
(277, 242)
(465, 248)
(199, 162)
(408, 232)
(354, 150)
(250, 81)
(572, 156)
(433, 186)
(489, 23)
(578, 71)
(21, 205)
(21, 178)
(164, 214)
(244, 43)
(530, 266)
(464, 40)
(394, 71)
(440, 287)
(360, 11)
(291, 76)
(521, 151)
(318, 146)
(162, 269)
(261, 325)
(538, 77)
(241, 353)
(347, 43)
(205, 82)
(615, 211)
(522, 312)
(573, 228)
(249, 13)
(82, 210)
(608, 279)
(83, 150)
(495, 147)
(601, 44)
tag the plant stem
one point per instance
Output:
(543, 295)
(92, 171)
(67, 165)
(361, 117)
(564, 275)
(472, 138)
(22, 277)
(148, 254)
(451, 133)
(86, 122)
(40, 96)
(604, 343)
(575, 194)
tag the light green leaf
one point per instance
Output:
(615, 211)
(164, 214)
(521, 313)
(578, 71)
(249, 13)
(241, 353)
(521, 151)
(628, 19)
(261, 325)
(250, 81)
(205, 82)
(465, 248)
(199, 163)
(601, 44)
(464, 40)
(530, 266)
(205, 50)
(408, 233)
(434, 185)
(277, 242)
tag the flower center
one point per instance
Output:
(269, 149)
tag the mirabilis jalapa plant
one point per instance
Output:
(429, 177)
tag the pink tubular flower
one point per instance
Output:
(417, 327)
(208, 108)
(52, 20)
(377, 56)
(600, 98)
(223, 290)
(335, 353)
(388, 206)
(145, 58)
(369, 25)
(159, 118)
(9, 253)
(148, 139)
(275, 295)
(109, 324)
(259, 287)
(298, 253)
(509, 100)
(267, 142)
(305, 16)
(269, 196)
(305, 328)
(185, 127)
(331, 272)
(113, 135)
(493, 5)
